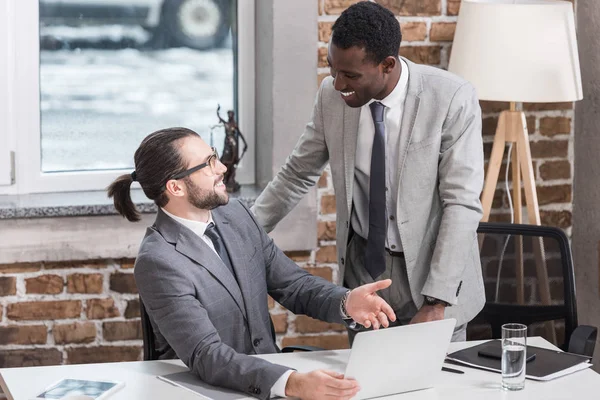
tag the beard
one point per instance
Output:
(205, 199)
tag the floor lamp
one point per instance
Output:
(518, 51)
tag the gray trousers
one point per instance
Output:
(398, 295)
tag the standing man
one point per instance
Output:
(404, 145)
(205, 268)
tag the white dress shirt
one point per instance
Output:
(394, 109)
(199, 227)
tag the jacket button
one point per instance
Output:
(342, 260)
(257, 342)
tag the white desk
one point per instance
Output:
(141, 382)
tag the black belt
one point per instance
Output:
(395, 253)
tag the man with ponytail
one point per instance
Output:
(205, 268)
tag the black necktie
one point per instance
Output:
(374, 255)
(213, 234)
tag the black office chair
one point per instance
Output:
(150, 352)
(543, 251)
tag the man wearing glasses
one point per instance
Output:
(205, 268)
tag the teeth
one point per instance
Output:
(346, 94)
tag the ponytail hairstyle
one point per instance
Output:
(156, 161)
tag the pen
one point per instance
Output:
(456, 371)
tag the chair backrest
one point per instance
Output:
(541, 255)
(150, 352)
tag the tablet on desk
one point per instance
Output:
(80, 388)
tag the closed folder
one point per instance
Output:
(547, 365)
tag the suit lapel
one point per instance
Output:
(409, 116)
(350, 135)
(189, 244)
(237, 254)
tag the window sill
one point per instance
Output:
(87, 203)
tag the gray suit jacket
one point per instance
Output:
(201, 314)
(440, 179)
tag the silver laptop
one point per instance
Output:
(400, 359)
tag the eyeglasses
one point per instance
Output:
(211, 162)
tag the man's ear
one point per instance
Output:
(388, 64)
(175, 188)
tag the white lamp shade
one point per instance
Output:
(518, 50)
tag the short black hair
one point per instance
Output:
(369, 26)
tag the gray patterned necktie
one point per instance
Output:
(213, 234)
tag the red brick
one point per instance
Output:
(549, 148)
(554, 194)
(298, 255)
(550, 170)
(326, 230)
(45, 284)
(552, 126)
(327, 254)
(328, 204)
(101, 308)
(127, 263)
(84, 283)
(560, 219)
(323, 179)
(44, 310)
(329, 342)
(322, 57)
(133, 309)
(325, 31)
(422, 54)
(280, 322)
(123, 283)
(488, 126)
(101, 354)
(335, 7)
(306, 324)
(452, 7)
(19, 267)
(323, 272)
(96, 264)
(122, 330)
(8, 285)
(74, 333)
(30, 358)
(413, 31)
(493, 106)
(23, 334)
(270, 302)
(442, 31)
(413, 7)
(547, 106)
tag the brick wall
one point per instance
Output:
(81, 312)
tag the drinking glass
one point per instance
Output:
(514, 347)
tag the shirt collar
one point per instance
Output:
(398, 95)
(198, 227)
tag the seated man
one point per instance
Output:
(205, 267)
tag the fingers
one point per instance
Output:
(383, 320)
(371, 321)
(385, 307)
(375, 286)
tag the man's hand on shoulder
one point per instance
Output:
(429, 313)
(367, 308)
(320, 384)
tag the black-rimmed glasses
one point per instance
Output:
(211, 162)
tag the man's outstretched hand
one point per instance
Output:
(367, 308)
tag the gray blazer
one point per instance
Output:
(201, 315)
(440, 179)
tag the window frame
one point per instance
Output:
(20, 100)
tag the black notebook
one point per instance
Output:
(547, 364)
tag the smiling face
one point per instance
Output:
(358, 78)
(205, 188)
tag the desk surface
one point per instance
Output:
(141, 382)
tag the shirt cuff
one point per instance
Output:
(278, 389)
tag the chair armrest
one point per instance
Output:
(583, 340)
(291, 349)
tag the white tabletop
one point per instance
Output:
(141, 382)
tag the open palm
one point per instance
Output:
(367, 308)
